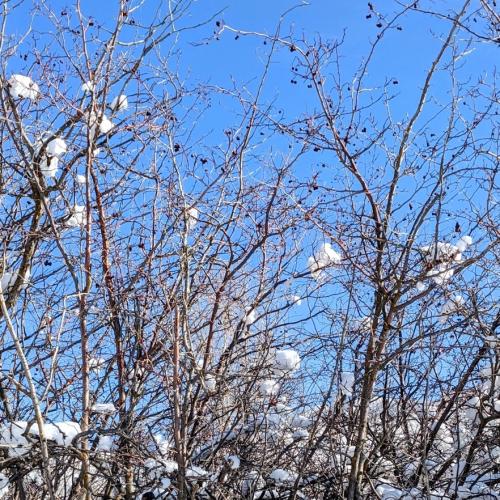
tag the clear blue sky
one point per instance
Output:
(404, 55)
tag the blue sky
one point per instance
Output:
(403, 57)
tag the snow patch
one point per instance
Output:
(78, 218)
(119, 103)
(346, 383)
(23, 87)
(62, 433)
(283, 476)
(4, 485)
(104, 408)
(287, 360)
(250, 316)
(192, 217)
(269, 387)
(234, 461)
(49, 167)
(105, 443)
(324, 257)
(463, 243)
(450, 307)
(87, 87)
(9, 279)
(57, 147)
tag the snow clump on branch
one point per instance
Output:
(87, 87)
(192, 217)
(9, 279)
(346, 383)
(440, 258)
(286, 360)
(450, 307)
(12, 435)
(53, 152)
(23, 87)
(250, 316)
(283, 476)
(105, 124)
(119, 103)
(269, 387)
(57, 147)
(104, 408)
(325, 256)
(77, 218)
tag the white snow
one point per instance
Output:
(11, 436)
(77, 218)
(4, 485)
(170, 466)
(324, 257)
(119, 103)
(328, 256)
(164, 445)
(87, 87)
(266, 494)
(450, 307)
(441, 274)
(269, 387)
(49, 169)
(9, 279)
(420, 286)
(442, 252)
(252, 481)
(287, 360)
(104, 408)
(192, 217)
(105, 443)
(442, 256)
(250, 316)
(234, 461)
(361, 324)
(57, 147)
(471, 408)
(106, 125)
(23, 87)
(313, 267)
(301, 421)
(463, 243)
(196, 472)
(300, 434)
(62, 433)
(210, 383)
(388, 492)
(270, 420)
(346, 382)
(96, 363)
(283, 476)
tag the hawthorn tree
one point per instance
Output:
(298, 301)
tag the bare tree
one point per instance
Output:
(299, 305)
